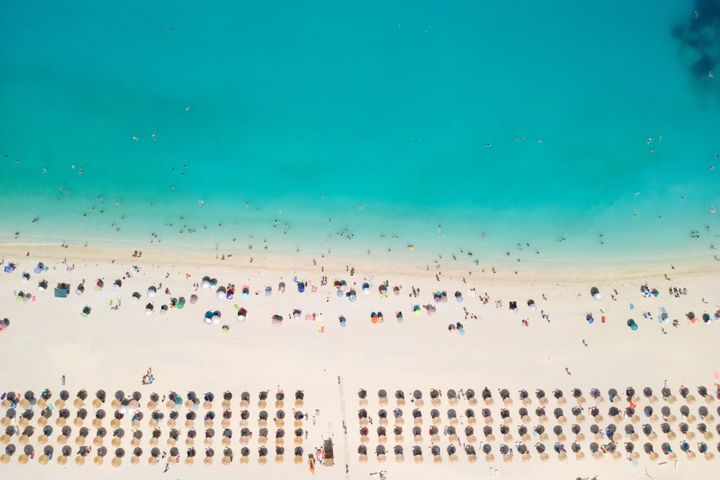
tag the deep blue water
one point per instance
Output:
(471, 124)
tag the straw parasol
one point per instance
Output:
(417, 454)
(417, 435)
(207, 400)
(471, 453)
(650, 451)
(397, 431)
(244, 436)
(417, 396)
(362, 453)
(190, 437)
(227, 456)
(505, 416)
(99, 436)
(667, 395)
(10, 397)
(154, 456)
(382, 396)
(505, 432)
(227, 397)
(435, 416)
(434, 434)
(62, 398)
(505, 397)
(263, 416)
(99, 399)
(435, 397)
(28, 399)
(382, 435)
(245, 399)
(262, 455)
(279, 454)
(506, 453)
(174, 455)
(80, 417)
(470, 396)
(452, 453)
(119, 397)
(262, 436)
(190, 459)
(523, 433)
(118, 435)
(209, 435)
(380, 453)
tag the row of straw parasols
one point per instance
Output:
(155, 419)
(576, 395)
(24, 427)
(137, 455)
(539, 450)
(703, 415)
(561, 433)
(173, 437)
(120, 398)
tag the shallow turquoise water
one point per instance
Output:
(503, 122)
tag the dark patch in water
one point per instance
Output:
(699, 38)
(702, 66)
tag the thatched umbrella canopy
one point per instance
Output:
(505, 395)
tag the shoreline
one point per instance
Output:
(380, 264)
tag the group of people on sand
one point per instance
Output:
(343, 289)
(148, 378)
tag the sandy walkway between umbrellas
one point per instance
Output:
(112, 349)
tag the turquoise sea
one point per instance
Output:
(462, 124)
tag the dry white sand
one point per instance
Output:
(112, 349)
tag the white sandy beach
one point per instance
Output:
(111, 349)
